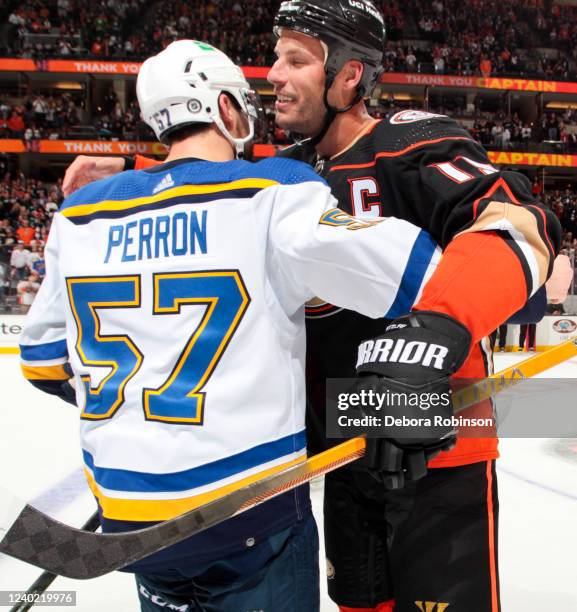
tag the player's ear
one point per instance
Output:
(352, 73)
(347, 81)
(234, 120)
(232, 117)
(227, 111)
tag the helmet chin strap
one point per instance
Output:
(332, 112)
(239, 144)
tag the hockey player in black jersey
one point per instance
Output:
(431, 544)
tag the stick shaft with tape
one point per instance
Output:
(30, 535)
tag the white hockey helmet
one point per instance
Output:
(181, 86)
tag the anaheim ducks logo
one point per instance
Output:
(317, 309)
(330, 570)
(410, 116)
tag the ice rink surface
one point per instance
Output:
(40, 462)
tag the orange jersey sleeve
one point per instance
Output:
(144, 162)
(479, 281)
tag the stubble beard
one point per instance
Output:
(307, 126)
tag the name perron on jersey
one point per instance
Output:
(176, 295)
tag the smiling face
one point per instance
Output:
(298, 76)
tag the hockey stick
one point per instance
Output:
(538, 363)
(47, 578)
(30, 535)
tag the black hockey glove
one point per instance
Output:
(410, 366)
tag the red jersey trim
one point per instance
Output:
(416, 145)
(492, 539)
(320, 308)
(496, 185)
(465, 458)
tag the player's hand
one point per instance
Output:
(85, 169)
(410, 364)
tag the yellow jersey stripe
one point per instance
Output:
(164, 509)
(117, 205)
(55, 372)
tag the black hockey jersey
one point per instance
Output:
(426, 169)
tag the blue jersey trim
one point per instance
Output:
(134, 184)
(413, 276)
(44, 352)
(128, 480)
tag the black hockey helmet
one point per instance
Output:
(351, 29)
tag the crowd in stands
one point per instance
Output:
(26, 209)
(40, 116)
(564, 204)
(442, 36)
(67, 28)
(134, 29)
(466, 37)
(502, 132)
(63, 116)
(489, 37)
(240, 28)
(112, 121)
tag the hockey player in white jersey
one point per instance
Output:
(173, 301)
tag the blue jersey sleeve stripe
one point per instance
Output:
(143, 482)
(44, 352)
(413, 276)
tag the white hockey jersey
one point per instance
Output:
(175, 295)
